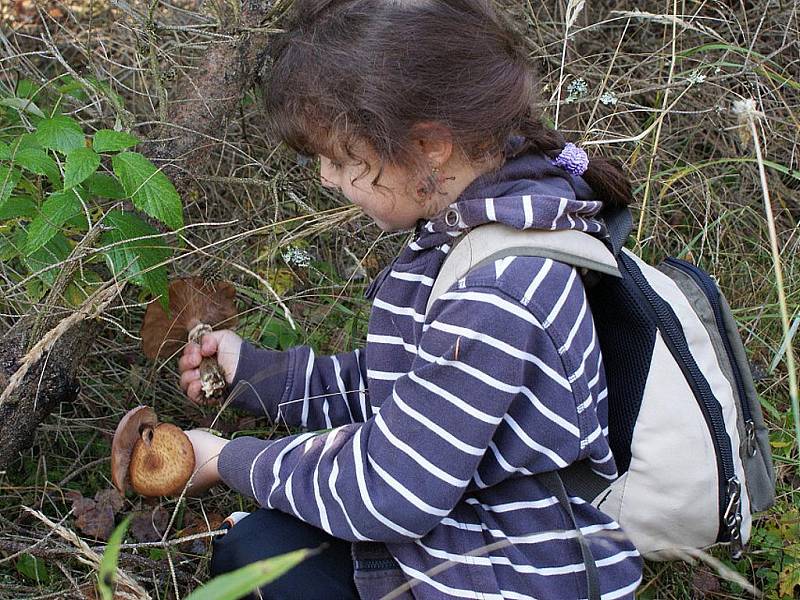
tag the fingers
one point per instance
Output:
(210, 344)
(189, 376)
(195, 392)
(189, 363)
(190, 359)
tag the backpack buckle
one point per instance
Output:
(733, 518)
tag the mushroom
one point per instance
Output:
(151, 458)
(195, 306)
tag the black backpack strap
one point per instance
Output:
(552, 481)
(619, 223)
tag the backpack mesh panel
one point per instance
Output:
(626, 329)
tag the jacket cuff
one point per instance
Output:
(261, 381)
(235, 460)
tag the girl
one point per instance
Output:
(439, 435)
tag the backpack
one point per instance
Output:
(685, 425)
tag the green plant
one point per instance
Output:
(107, 573)
(76, 209)
(237, 584)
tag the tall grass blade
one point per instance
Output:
(747, 113)
(574, 8)
(107, 574)
(241, 582)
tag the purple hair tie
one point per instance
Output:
(572, 159)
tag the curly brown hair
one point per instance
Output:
(374, 70)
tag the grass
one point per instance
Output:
(671, 74)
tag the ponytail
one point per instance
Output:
(604, 175)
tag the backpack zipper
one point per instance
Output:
(730, 516)
(712, 293)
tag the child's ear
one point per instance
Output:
(435, 141)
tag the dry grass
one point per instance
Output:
(661, 79)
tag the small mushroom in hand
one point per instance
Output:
(195, 306)
(151, 458)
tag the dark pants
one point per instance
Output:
(266, 533)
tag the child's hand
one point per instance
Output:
(225, 344)
(207, 447)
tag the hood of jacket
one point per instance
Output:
(527, 192)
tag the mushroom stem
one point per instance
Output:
(212, 380)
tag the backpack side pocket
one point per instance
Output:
(715, 313)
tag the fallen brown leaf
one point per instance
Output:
(95, 517)
(149, 525)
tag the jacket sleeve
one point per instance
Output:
(396, 476)
(299, 389)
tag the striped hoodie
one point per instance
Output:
(429, 439)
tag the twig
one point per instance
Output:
(169, 543)
(58, 551)
(83, 468)
(91, 558)
(62, 280)
(93, 306)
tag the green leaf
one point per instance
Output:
(22, 104)
(56, 210)
(81, 162)
(8, 181)
(5, 151)
(107, 574)
(16, 207)
(28, 140)
(77, 223)
(135, 258)
(60, 133)
(27, 88)
(241, 582)
(51, 254)
(8, 250)
(33, 568)
(105, 88)
(108, 140)
(38, 161)
(36, 289)
(278, 333)
(73, 88)
(104, 186)
(149, 188)
(80, 288)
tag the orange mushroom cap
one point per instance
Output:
(128, 432)
(192, 300)
(154, 459)
(162, 461)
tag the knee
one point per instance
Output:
(229, 552)
(267, 533)
(235, 549)
(261, 534)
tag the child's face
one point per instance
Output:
(392, 204)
